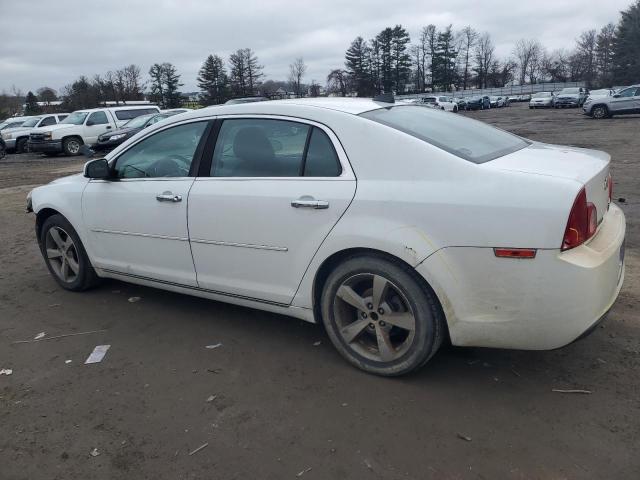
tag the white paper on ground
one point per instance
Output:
(98, 354)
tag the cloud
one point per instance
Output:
(46, 43)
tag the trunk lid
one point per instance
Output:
(587, 167)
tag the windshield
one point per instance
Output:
(11, 124)
(570, 90)
(469, 139)
(140, 121)
(32, 122)
(542, 95)
(76, 118)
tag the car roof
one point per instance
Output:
(354, 106)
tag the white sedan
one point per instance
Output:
(396, 226)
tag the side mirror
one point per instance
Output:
(97, 169)
(617, 95)
(90, 123)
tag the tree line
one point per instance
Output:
(440, 59)
(448, 60)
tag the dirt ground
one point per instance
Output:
(271, 404)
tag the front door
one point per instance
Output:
(624, 102)
(96, 124)
(138, 222)
(275, 190)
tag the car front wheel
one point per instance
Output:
(600, 112)
(71, 146)
(380, 316)
(65, 255)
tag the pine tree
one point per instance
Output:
(238, 73)
(157, 84)
(213, 81)
(254, 70)
(626, 56)
(445, 59)
(401, 60)
(385, 40)
(357, 63)
(172, 85)
(31, 107)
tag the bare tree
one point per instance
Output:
(604, 53)
(467, 37)
(586, 48)
(528, 54)
(483, 53)
(296, 72)
(337, 81)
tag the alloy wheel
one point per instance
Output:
(62, 254)
(599, 112)
(73, 146)
(374, 318)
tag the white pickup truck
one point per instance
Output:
(83, 127)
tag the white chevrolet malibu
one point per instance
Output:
(395, 226)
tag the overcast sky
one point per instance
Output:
(52, 42)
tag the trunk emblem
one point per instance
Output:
(606, 183)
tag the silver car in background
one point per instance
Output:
(626, 101)
(542, 100)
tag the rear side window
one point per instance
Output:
(133, 113)
(98, 118)
(469, 139)
(259, 148)
(321, 160)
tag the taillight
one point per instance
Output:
(582, 224)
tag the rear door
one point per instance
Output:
(272, 191)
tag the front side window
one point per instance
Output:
(48, 121)
(98, 118)
(469, 139)
(32, 122)
(168, 153)
(627, 92)
(259, 148)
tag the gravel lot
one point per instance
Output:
(271, 404)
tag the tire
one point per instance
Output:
(21, 145)
(455, 109)
(60, 246)
(599, 112)
(71, 146)
(367, 337)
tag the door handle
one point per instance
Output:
(310, 202)
(168, 197)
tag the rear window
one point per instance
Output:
(469, 139)
(129, 114)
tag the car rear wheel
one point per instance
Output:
(455, 109)
(65, 255)
(71, 146)
(380, 316)
(599, 112)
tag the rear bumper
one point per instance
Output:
(46, 146)
(538, 304)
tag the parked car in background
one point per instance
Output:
(626, 101)
(112, 139)
(16, 138)
(13, 122)
(441, 102)
(461, 102)
(83, 127)
(477, 236)
(571, 97)
(496, 101)
(542, 100)
(236, 101)
(604, 92)
(176, 110)
(478, 102)
(505, 101)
